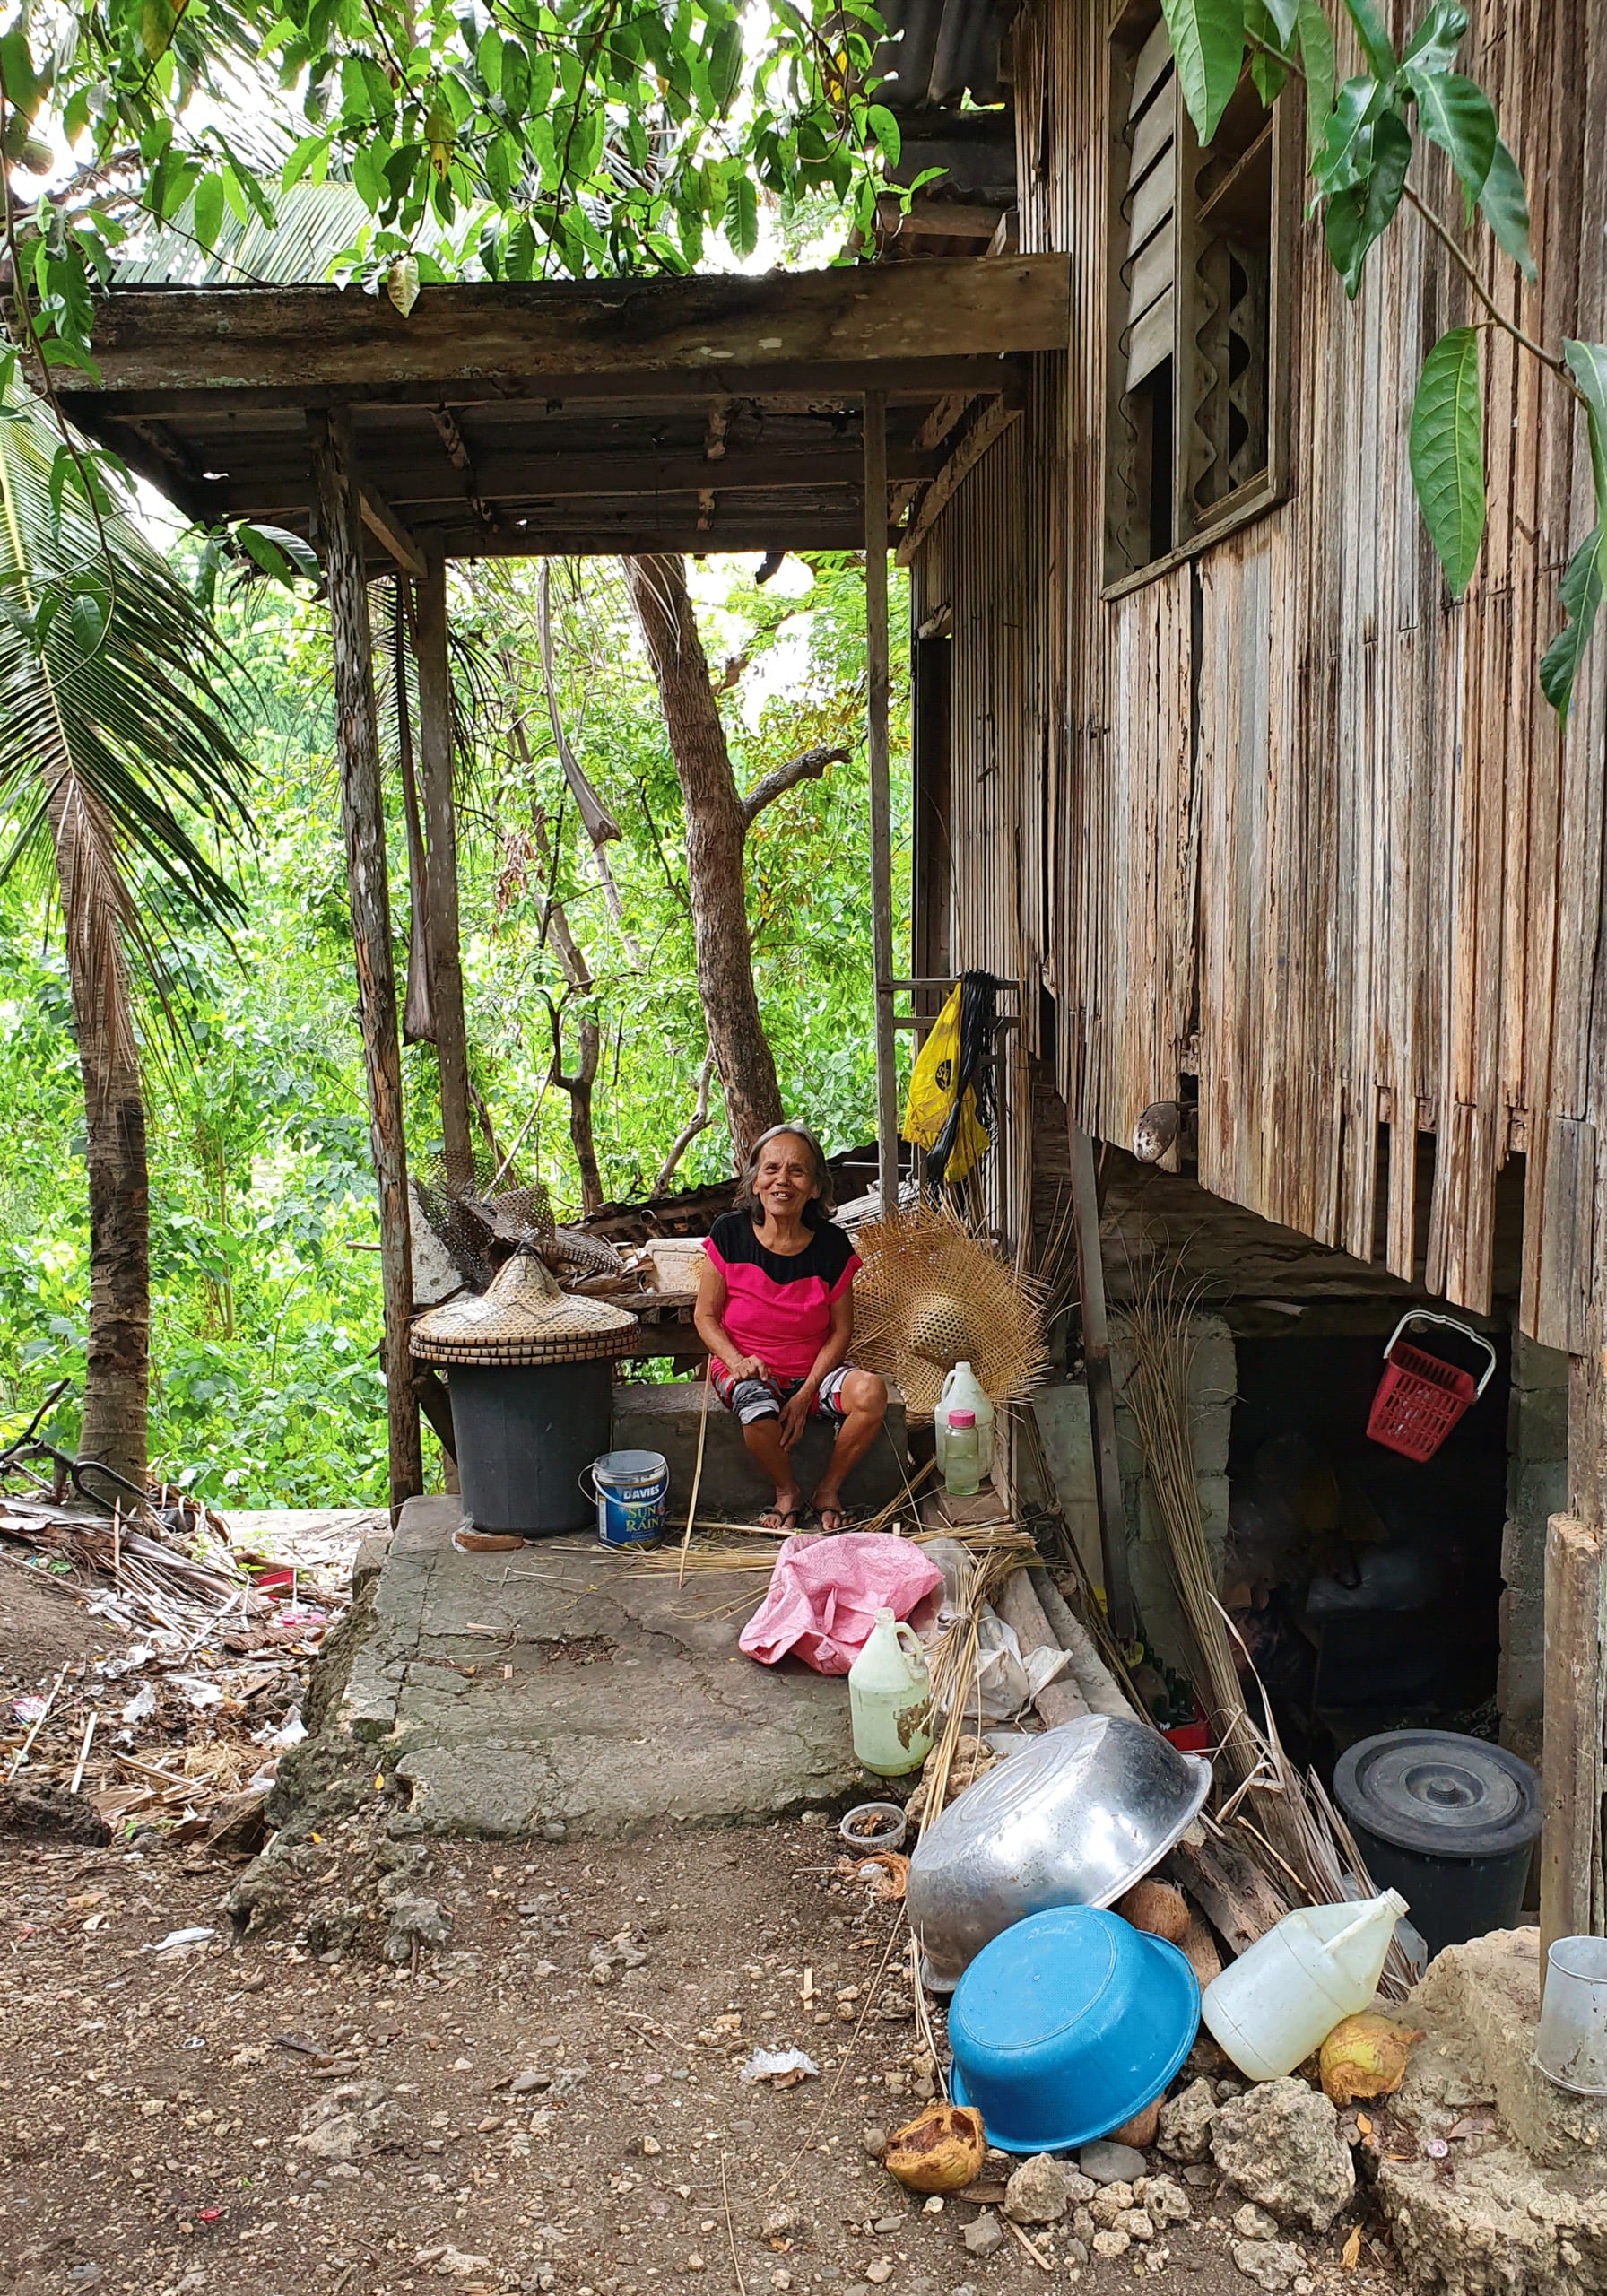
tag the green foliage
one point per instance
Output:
(1447, 453)
(1208, 42)
(1360, 140)
(1585, 575)
(265, 1284)
(561, 137)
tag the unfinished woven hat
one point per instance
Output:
(930, 1295)
(521, 1318)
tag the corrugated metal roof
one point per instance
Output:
(949, 49)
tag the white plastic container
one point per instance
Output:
(889, 1700)
(962, 1391)
(1281, 2000)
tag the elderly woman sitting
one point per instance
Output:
(775, 1312)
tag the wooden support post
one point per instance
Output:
(440, 867)
(1101, 1392)
(1570, 1847)
(881, 897)
(363, 823)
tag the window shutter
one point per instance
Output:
(1150, 208)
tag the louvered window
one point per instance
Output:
(1199, 243)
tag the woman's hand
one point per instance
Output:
(795, 1413)
(745, 1367)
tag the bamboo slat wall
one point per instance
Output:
(1283, 816)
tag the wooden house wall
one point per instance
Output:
(1284, 816)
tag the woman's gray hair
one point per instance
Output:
(823, 1204)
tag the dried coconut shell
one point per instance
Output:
(1199, 1948)
(940, 2150)
(1140, 2131)
(1158, 1909)
(1365, 2056)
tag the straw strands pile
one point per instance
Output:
(931, 1295)
(1286, 1814)
(1157, 1329)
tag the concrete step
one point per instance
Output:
(665, 1417)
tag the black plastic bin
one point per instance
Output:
(530, 1370)
(1450, 1822)
(523, 1436)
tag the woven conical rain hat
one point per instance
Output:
(930, 1295)
(521, 1318)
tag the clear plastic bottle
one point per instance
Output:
(1281, 1999)
(889, 1700)
(962, 1456)
(962, 1391)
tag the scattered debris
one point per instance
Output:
(783, 2068)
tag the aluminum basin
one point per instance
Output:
(1074, 1819)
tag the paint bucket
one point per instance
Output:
(629, 1488)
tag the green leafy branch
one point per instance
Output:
(1361, 136)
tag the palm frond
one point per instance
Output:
(118, 745)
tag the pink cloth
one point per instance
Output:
(825, 1593)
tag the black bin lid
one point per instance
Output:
(1439, 1793)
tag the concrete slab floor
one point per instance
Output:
(564, 1688)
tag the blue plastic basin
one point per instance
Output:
(1068, 2024)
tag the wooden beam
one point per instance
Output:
(739, 535)
(1570, 1850)
(992, 423)
(881, 894)
(515, 480)
(936, 219)
(440, 867)
(362, 822)
(385, 526)
(702, 324)
(907, 382)
(1101, 1392)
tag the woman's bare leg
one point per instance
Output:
(864, 1397)
(763, 1439)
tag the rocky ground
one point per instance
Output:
(542, 2091)
(205, 2117)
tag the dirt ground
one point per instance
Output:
(259, 2120)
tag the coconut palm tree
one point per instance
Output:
(114, 762)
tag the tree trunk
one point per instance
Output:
(716, 828)
(440, 870)
(93, 901)
(362, 822)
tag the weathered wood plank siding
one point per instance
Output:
(1284, 816)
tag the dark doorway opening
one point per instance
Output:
(1367, 1585)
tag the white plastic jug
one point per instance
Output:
(1283, 1997)
(889, 1700)
(963, 1391)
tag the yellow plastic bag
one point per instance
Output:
(932, 1093)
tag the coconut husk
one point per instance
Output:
(931, 1295)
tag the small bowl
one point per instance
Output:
(888, 1833)
(1066, 2026)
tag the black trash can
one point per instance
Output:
(531, 1373)
(1450, 1822)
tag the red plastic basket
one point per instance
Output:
(1420, 1398)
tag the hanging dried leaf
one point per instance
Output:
(402, 282)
